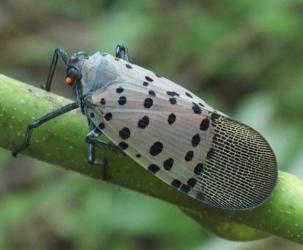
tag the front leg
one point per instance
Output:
(58, 53)
(38, 122)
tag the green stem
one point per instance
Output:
(61, 142)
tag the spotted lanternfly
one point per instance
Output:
(167, 129)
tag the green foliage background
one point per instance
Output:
(243, 57)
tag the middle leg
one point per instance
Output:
(92, 140)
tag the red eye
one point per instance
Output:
(69, 81)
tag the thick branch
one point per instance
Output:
(61, 142)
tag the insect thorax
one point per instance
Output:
(97, 71)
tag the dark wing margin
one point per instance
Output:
(241, 169)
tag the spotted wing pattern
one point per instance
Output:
(183, 141)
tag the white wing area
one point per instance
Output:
(172, 125)
(170, 132)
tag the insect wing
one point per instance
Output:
(180, 139)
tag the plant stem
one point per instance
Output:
(61, 142)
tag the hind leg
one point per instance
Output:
(122, 52)
(93, 141)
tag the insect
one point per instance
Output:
(167, 129)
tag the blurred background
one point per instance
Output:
(243, 57)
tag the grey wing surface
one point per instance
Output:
(180, 139)
(208, 156)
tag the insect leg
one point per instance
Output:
(92, 141)
(106, 145)
(122, 52)
(39, 121)
(59, 53)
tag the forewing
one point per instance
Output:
(163, 127)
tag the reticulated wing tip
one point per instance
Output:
(240, 171)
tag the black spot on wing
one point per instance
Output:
(191, 182)
(119, 90)
(198, 169)
(108, 116)
(210, 153)
(196, 109)
(200, 196)
(171, 118)
(188, 94)
(148, 102)
(152, 93)
(124, 133)
(122, 100)
(153, 168)
(176, 183)
(173, 100)
(189, 155)
(172, 93)
(168, 164)
(128, 66)
(143, 122)
(148, 78)
(214, 116)
(195, 140)
(123, 145)
(102, 101)
(156, 148)
(101, 125)
(185, 188)
(204, 124)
